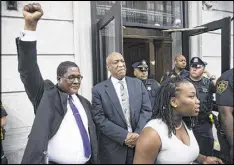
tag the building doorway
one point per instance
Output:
(135, 41)
(134, 34)
(155, 48)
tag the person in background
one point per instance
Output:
(3, 123)
(179, 69)
(205, 89)
(141, 72)
(224, 100)
(120, 109)
(63, 131)
(167, 138)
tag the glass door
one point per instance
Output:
(110, 37)
(225, 26)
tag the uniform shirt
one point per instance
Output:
(151, 86)
(183, 73)
(203, 127)
(224, 89)
(3, 112)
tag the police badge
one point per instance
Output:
(195, 60)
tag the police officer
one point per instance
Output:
(205, 89)
(141, 72)
(224, 100)
(179, 69)
(3, 123)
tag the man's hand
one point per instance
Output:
(32, 14)
(131, 139)
(212, 160)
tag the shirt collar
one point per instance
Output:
(174, 72)
(116, 81)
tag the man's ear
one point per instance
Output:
(134, 72)
(107, 67)
(58, 78)
(173, 102)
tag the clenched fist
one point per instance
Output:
(32, 14)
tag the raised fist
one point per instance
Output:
(32, 14)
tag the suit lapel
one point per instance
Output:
(63, 100)
(131, 89)
(110, 90)
(59, 99)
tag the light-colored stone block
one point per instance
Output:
(214, 65)
(209, 16)
(60, 10)
(47, 64)
(53, 37)
(19, 109)
(211, 44)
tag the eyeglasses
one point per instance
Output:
(72, 78)
(143, 69)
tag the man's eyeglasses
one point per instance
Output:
(72, 78)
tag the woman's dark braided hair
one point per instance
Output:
(162, 108)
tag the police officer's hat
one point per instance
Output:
(142, 65)
(196, 62)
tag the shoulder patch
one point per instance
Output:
(221, 86)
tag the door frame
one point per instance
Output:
(97, 57)
(225, 25)
(115, 13)
(99, 63)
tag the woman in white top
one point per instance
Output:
(168, 138)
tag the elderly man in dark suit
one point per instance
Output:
(63, 131)
(120, 109)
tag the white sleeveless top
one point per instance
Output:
(173, 150)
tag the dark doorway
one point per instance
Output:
(135, 49)
(157, 53)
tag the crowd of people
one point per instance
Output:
(129, 120)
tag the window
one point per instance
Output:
(158, 13)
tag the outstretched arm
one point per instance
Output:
(27, 56)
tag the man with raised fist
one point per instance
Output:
(63, 130)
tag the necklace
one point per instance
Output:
(179, 126)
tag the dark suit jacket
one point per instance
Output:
(110, 121)
(50, 107)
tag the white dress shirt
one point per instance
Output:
(66, 146)
(27, 35)
(117, 85)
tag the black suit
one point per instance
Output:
(50, 107)
(110, 121)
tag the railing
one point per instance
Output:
(131, 15)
